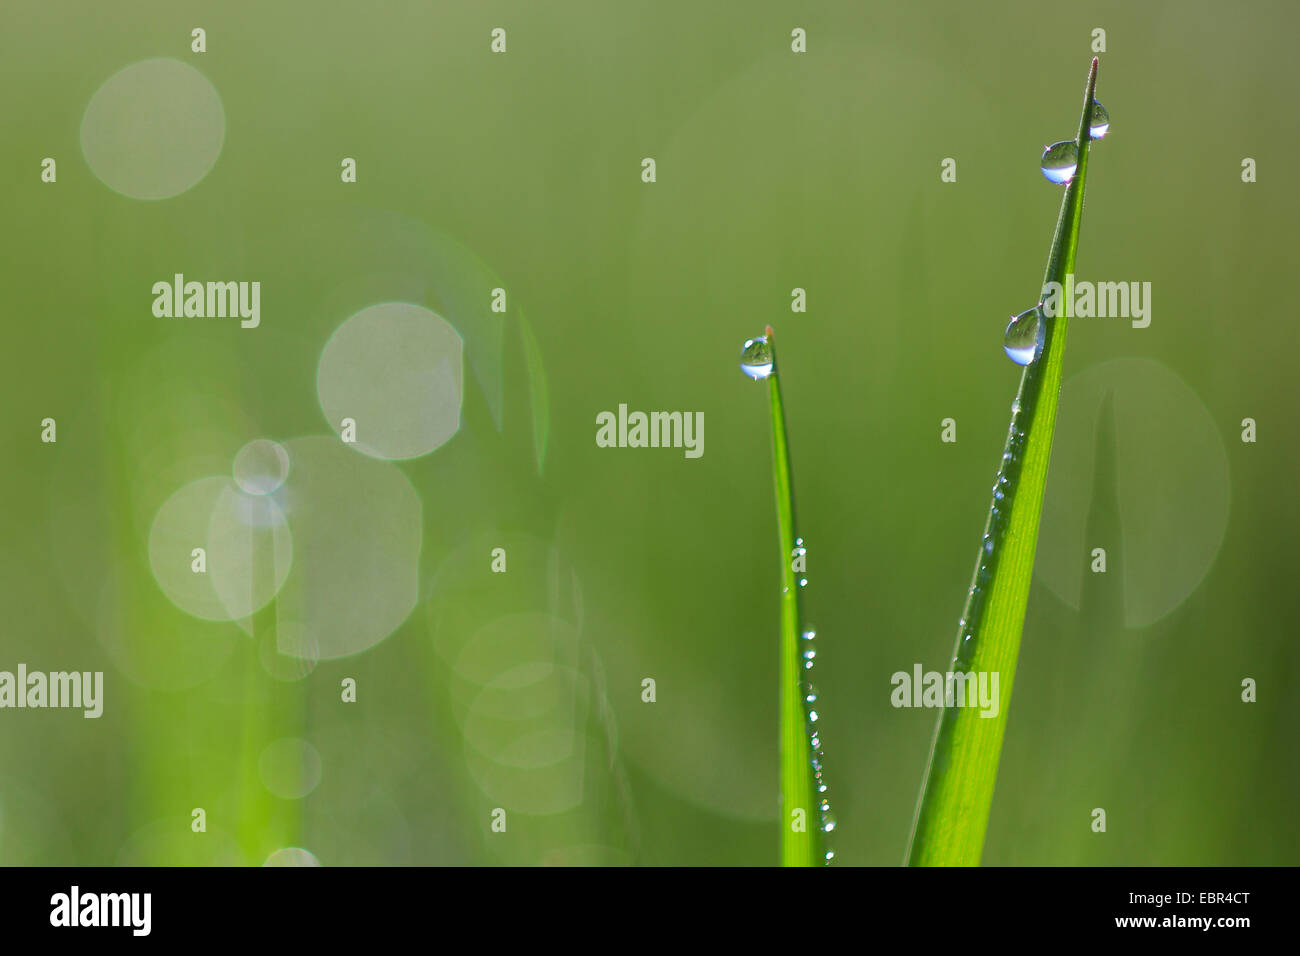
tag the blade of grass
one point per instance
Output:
(953, 812)
(798, 848)
(538, 393)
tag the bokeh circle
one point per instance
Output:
(154, 129)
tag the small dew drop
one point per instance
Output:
(1024, 337)
(809, 694)
(1099, 122)
(1060, 160)
(756, 358)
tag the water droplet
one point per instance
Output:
(812, 716)
(1024, 337)
(803, 582)
(828, 823)
(809, 633)
(809, 654)
(1099, 122)
(756, 358)
(809, 694)
(830, 855)
(816, 741)
(1060, 160)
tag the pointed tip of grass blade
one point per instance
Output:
(768, 332)
(1085, 129)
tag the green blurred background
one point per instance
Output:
(522, 690)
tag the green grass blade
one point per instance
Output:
(538, 392)
(798, 848)
(953, 812)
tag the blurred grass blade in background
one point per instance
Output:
(953, 812)
(803, 791)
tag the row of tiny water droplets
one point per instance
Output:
(808, 690)
(1025, 333)
(826, 818)
(994, 532)
(757, 362)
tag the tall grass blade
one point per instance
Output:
(953, 811)
(801, 832)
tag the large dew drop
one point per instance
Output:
(1099, 122)
(1023, 339)
(1060, 160)
(756, 358)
